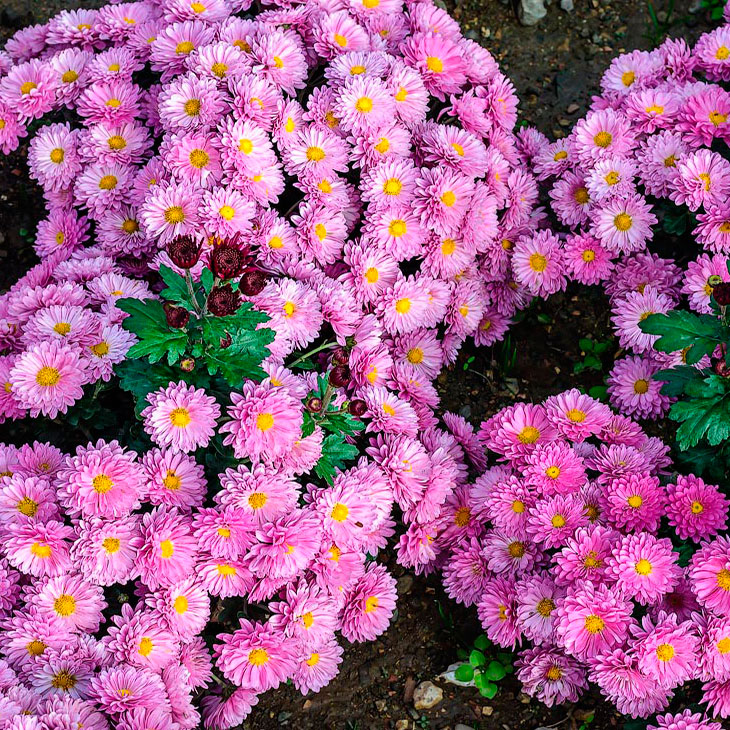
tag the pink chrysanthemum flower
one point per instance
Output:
(701, 179)
(538, 264)
(30, 88)
(657, 158)
(181, 417)
(221, 711)
(537, 598)
(226, 212)
(105, 551)
(602, 134)
(125, 688)
(439, 61)
(633, 390)
(686, 720)
(11, 129)
(306, 615)
(696, 510)
(48, 378)
(645, 568)
(442, 199)
(715, 641)
(266, 421)
(624, 224)
(255, 656)
(173, 44)
(369, 605)
(169, 549)
(551, 676)
(709, 575)
(39, 549)
(652, 109)
(634, 308)
(173, 479)
(571, 199)
(576, 415)
(363, 102)
(514, 431)
(170, 211)
(53, 158)
(507, 504)
(717, 696)
(508, 554)
(315, 669)
(592, 619)
(667, 651)
(497, 611)
(554, 519)
(705, 116)
(225, 533)
(191, 102)
(27, 498)
(72, 599)
(466, 573)
(633, 502)
(584, 556)
(101, 480)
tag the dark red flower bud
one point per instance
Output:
(227, 261)
(184, 252)
(340, 357)
(720, 367)
(252, 282)
(177, 317)
(357, 408)
(188, 364)
(226, 341)
(721, 292)
(314, 405)
(340, 376)
(223, 301)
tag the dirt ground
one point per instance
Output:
(556, 67)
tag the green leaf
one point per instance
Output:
(679, 330)
(464, 673)
(495, 671)
(585, 344)
(177, 288)
(207, 280)
(599, 392)
(342, 422)
(707, 418)
(462, 654)
(486, 688)
(601, 347)
(477, 659)
(140, 378)
(677, 379)
(335, 452)
(308, 425)
(156, 340)
(482, 642)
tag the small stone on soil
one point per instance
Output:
(427, 695)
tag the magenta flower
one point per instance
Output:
(696, 510)
(39, 549)
(686, 720)
(633, 390)
(709, 575)
(584, 556)
(550, 675)
(633, 502)
(369, 605)
(538, 264)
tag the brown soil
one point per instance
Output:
(556, 67)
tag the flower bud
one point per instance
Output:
(357, 408)
(223, 301)
(252, 282)
(227, 261)
(177, 317)
(184, 252)
(340, 376)
(340, 357)
(721, 292)
(720, 367)
(314, 405)
(187, 364)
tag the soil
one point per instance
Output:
(556, 66)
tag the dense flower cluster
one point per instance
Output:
(561, 545)
(656, 137)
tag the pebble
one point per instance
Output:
(567, 5)
(427, 695)
(409, 689)
(460, 726)
(405, 583)
(572, 109)
(487, 710)
(380, 705)
(402, 725)
(531, 12)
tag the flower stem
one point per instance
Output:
(325, 346)
(191, 292)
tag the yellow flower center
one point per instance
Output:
(102, 483)
(276, 242)
(435, 64)
(289, 309)
(448, 198)
(192, 107)
(554, 673)
(69, 76)
(320, 231)
(227, 212)
(545, 607)
(146, 645)
(60, 238)
(697, 508)
(628, 78)
(27, 87)
(538, 262)
(174, 214)
(655, 109)
(371, 604)
(643, 567)
(57, 155)
(397, 228)
(257, 500)
(665, 652)
(516, 549)
(718, 118)
(722, 53)
(258, 657)
(264, 421)
(180, 604)
(111, 545)
(65, 605)
(528, 435)
(313, 659)
(403, 306)
(315, 154)
(560, 155)
(622, 222)
(723, 579)
(35, 647)
(635, 501)
(581, 196)
(130, 226)
(372, 275)
(364, 104)
(723, 646)
(100, 349)
(612, 178)
(340, 40)
(113, 103)
(27, 507)
(383, 145)
(558, 521)
(171, 481)
(603, 139)
(401, 94)
(108, 182)
(553, 472)
(167, 549)
(641, 387)
(63, 680)
(62, 328)
(339, 512)
(225, 569)
(392, 186)
(219, 69)
(357, 69)
(670, 161)
(180, 417)
(518, 506)
(40, 550)
(199, 158)
(415, 355)
(592, 560)
(594, 624)
(184, 47)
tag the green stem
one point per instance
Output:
(327, 398)
(325, 346)
(191, 292)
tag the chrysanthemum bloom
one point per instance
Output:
(634, 694)
(169, 549)
(509, 553)
(173, 45)
(171, 210)
(345, 510)
(48, 378)
(705, 115)
(255, 656)
(39, 549)
(514, 431)
(624, 224)
(667, 651)
(63, 672)
(592, 619)
(715, 648)
(538, 263)
(173, 479)
(53, 158)
(388, 413)
(634, 308)
(602, 134)
(70, 324)
(122, 689)
(696, 510)
(554, 519)
(62, 230)
(571, 199)
(576, 415)
(550, 675)
(30, 88)
(465, 575)
(306, 615)
(709, 575)
(369, 605)
(634, 502)
(181, 417)
(442, 198)
(686, 720)
(633, 390)
(102, 480)
(223, 712)
(497, 611)
(717, 697)
(315, 669)
(266, 421)
(74, 600)
(645, 568)
(26, 498)
(701, 179)
(105, 551)
(584, 556)
(507, 504)
(537, 598)
(225, 533)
